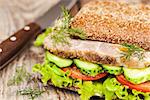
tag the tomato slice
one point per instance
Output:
(76, 74)
(144, 87)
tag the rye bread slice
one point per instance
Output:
(115, 22)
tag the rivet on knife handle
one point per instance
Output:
(11, 46)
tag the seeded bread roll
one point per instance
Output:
(115, 22)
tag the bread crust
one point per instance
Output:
(115, 22)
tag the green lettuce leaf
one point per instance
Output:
(108, 91)
(89, 89)
(86, 90)
(45, 70)
(77, 82)
(52, 72)
(60, 78)
(112, 89)
(40, 39)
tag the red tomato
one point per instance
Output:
(75, 73)
(144, 87)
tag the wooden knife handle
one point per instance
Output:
(10, 47)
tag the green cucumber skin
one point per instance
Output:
(137, 76)
(93, 69)
(112, 69)
(60, 62)
(87, 67)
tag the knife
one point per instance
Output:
(10, 47)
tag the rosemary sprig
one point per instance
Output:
(32, 93)
(130, 50)
(21, 75)
(62, 31)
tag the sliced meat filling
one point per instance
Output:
(97, 52)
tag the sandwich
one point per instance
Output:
(102, 51)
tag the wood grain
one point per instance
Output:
(14, 15)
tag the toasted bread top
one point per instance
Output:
(115, 22)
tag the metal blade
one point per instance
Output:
(52, 14)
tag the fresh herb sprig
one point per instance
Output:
(21, 75)
(130, 50)
(66, 17)
(62, 32)
(32, 93)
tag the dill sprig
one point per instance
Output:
(21, 75)
(130, 50)
(62, 32)
(66, 17)
(32, 93)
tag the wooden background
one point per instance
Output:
(14, 14)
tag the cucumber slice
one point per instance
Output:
(60, 62)
(137, 76)
(112, 69)
(87, 67)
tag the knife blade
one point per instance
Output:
(10, 47)
(48, 18)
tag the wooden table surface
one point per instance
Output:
(14, 15)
